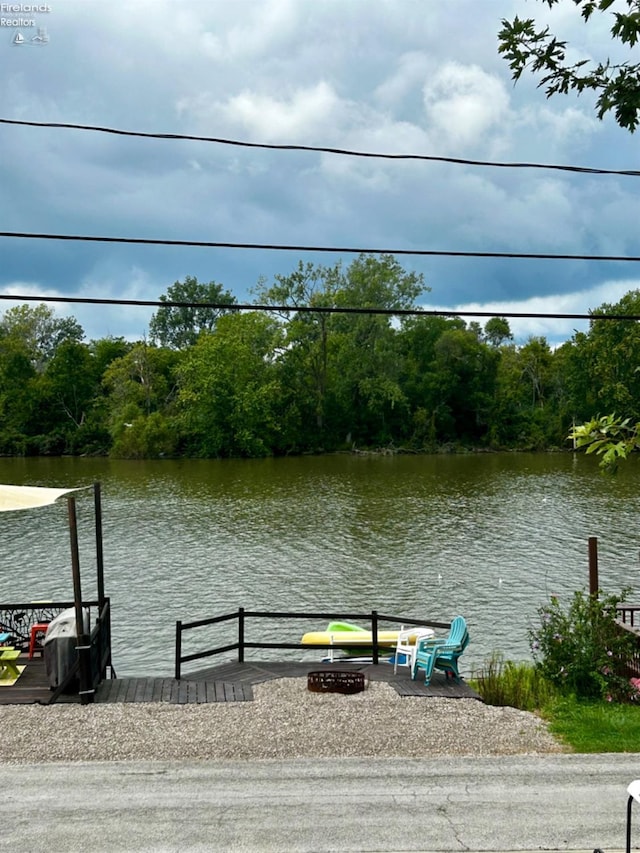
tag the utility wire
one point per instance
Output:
(309, 309)
(322, 149)
(335, 249)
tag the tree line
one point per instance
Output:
(220, 382)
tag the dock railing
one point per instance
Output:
(18, 619)
(370, 621)
(628, 614)
(94, 649)
(94, 656)
(629, 621)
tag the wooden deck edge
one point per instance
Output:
(170, 691)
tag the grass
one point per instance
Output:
(520, 685)
(584, 726)
(595, 726)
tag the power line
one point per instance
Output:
(209, 244)
(322, 149)
(309, 309)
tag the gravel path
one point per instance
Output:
(285, 720)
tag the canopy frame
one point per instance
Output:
(20, 498)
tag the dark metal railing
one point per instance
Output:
(372, 618)
(94, 656)
(17, 619)
(94, 650)
(101, 646)
(627, 621)
(627, 613)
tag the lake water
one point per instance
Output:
(489, 536)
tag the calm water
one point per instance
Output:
(487, 536)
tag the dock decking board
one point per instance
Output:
(230, 682)
(170, 691)
(259, 672)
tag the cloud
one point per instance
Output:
(463, 104)
(554, 330)
(381, 76)
(411, 71)
(263, 28)
(301, 115)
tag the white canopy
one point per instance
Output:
(27, 497)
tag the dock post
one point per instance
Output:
(240, 634)
(178, 648)
(97, 502)
(104, 636)
(594, 585)
(374, 634)
(83, 641)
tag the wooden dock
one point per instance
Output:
(231, 682)
(32, 686)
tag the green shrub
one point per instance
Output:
(582, 650)
(520, 685)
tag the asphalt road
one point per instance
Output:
(523, 803)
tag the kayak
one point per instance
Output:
(339, 636)
(360, 638)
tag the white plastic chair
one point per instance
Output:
(406, 644)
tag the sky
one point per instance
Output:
(386, 76)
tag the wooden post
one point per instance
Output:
(594, 585)
(99, 550)
(82, 640)
(104, 633)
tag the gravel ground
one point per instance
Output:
(285, 720)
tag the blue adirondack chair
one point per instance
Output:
(437, 653)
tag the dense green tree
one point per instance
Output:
(535, 361)
(497, 331)
(141, 384)
(614, 347)
(510, 417)
(420, 380)
(41, 332)
(229, 389)
(611, 355)
(50, 382)
(465, 370)
(71, 382)
(69, 390)
(344, 367)
(617, 85)
(307, 334)
(18, 399)
(573, 369)
(533, 403)
(368, 400)
(106, 350)
(143, 436)
(311, 380)
(178, 326)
